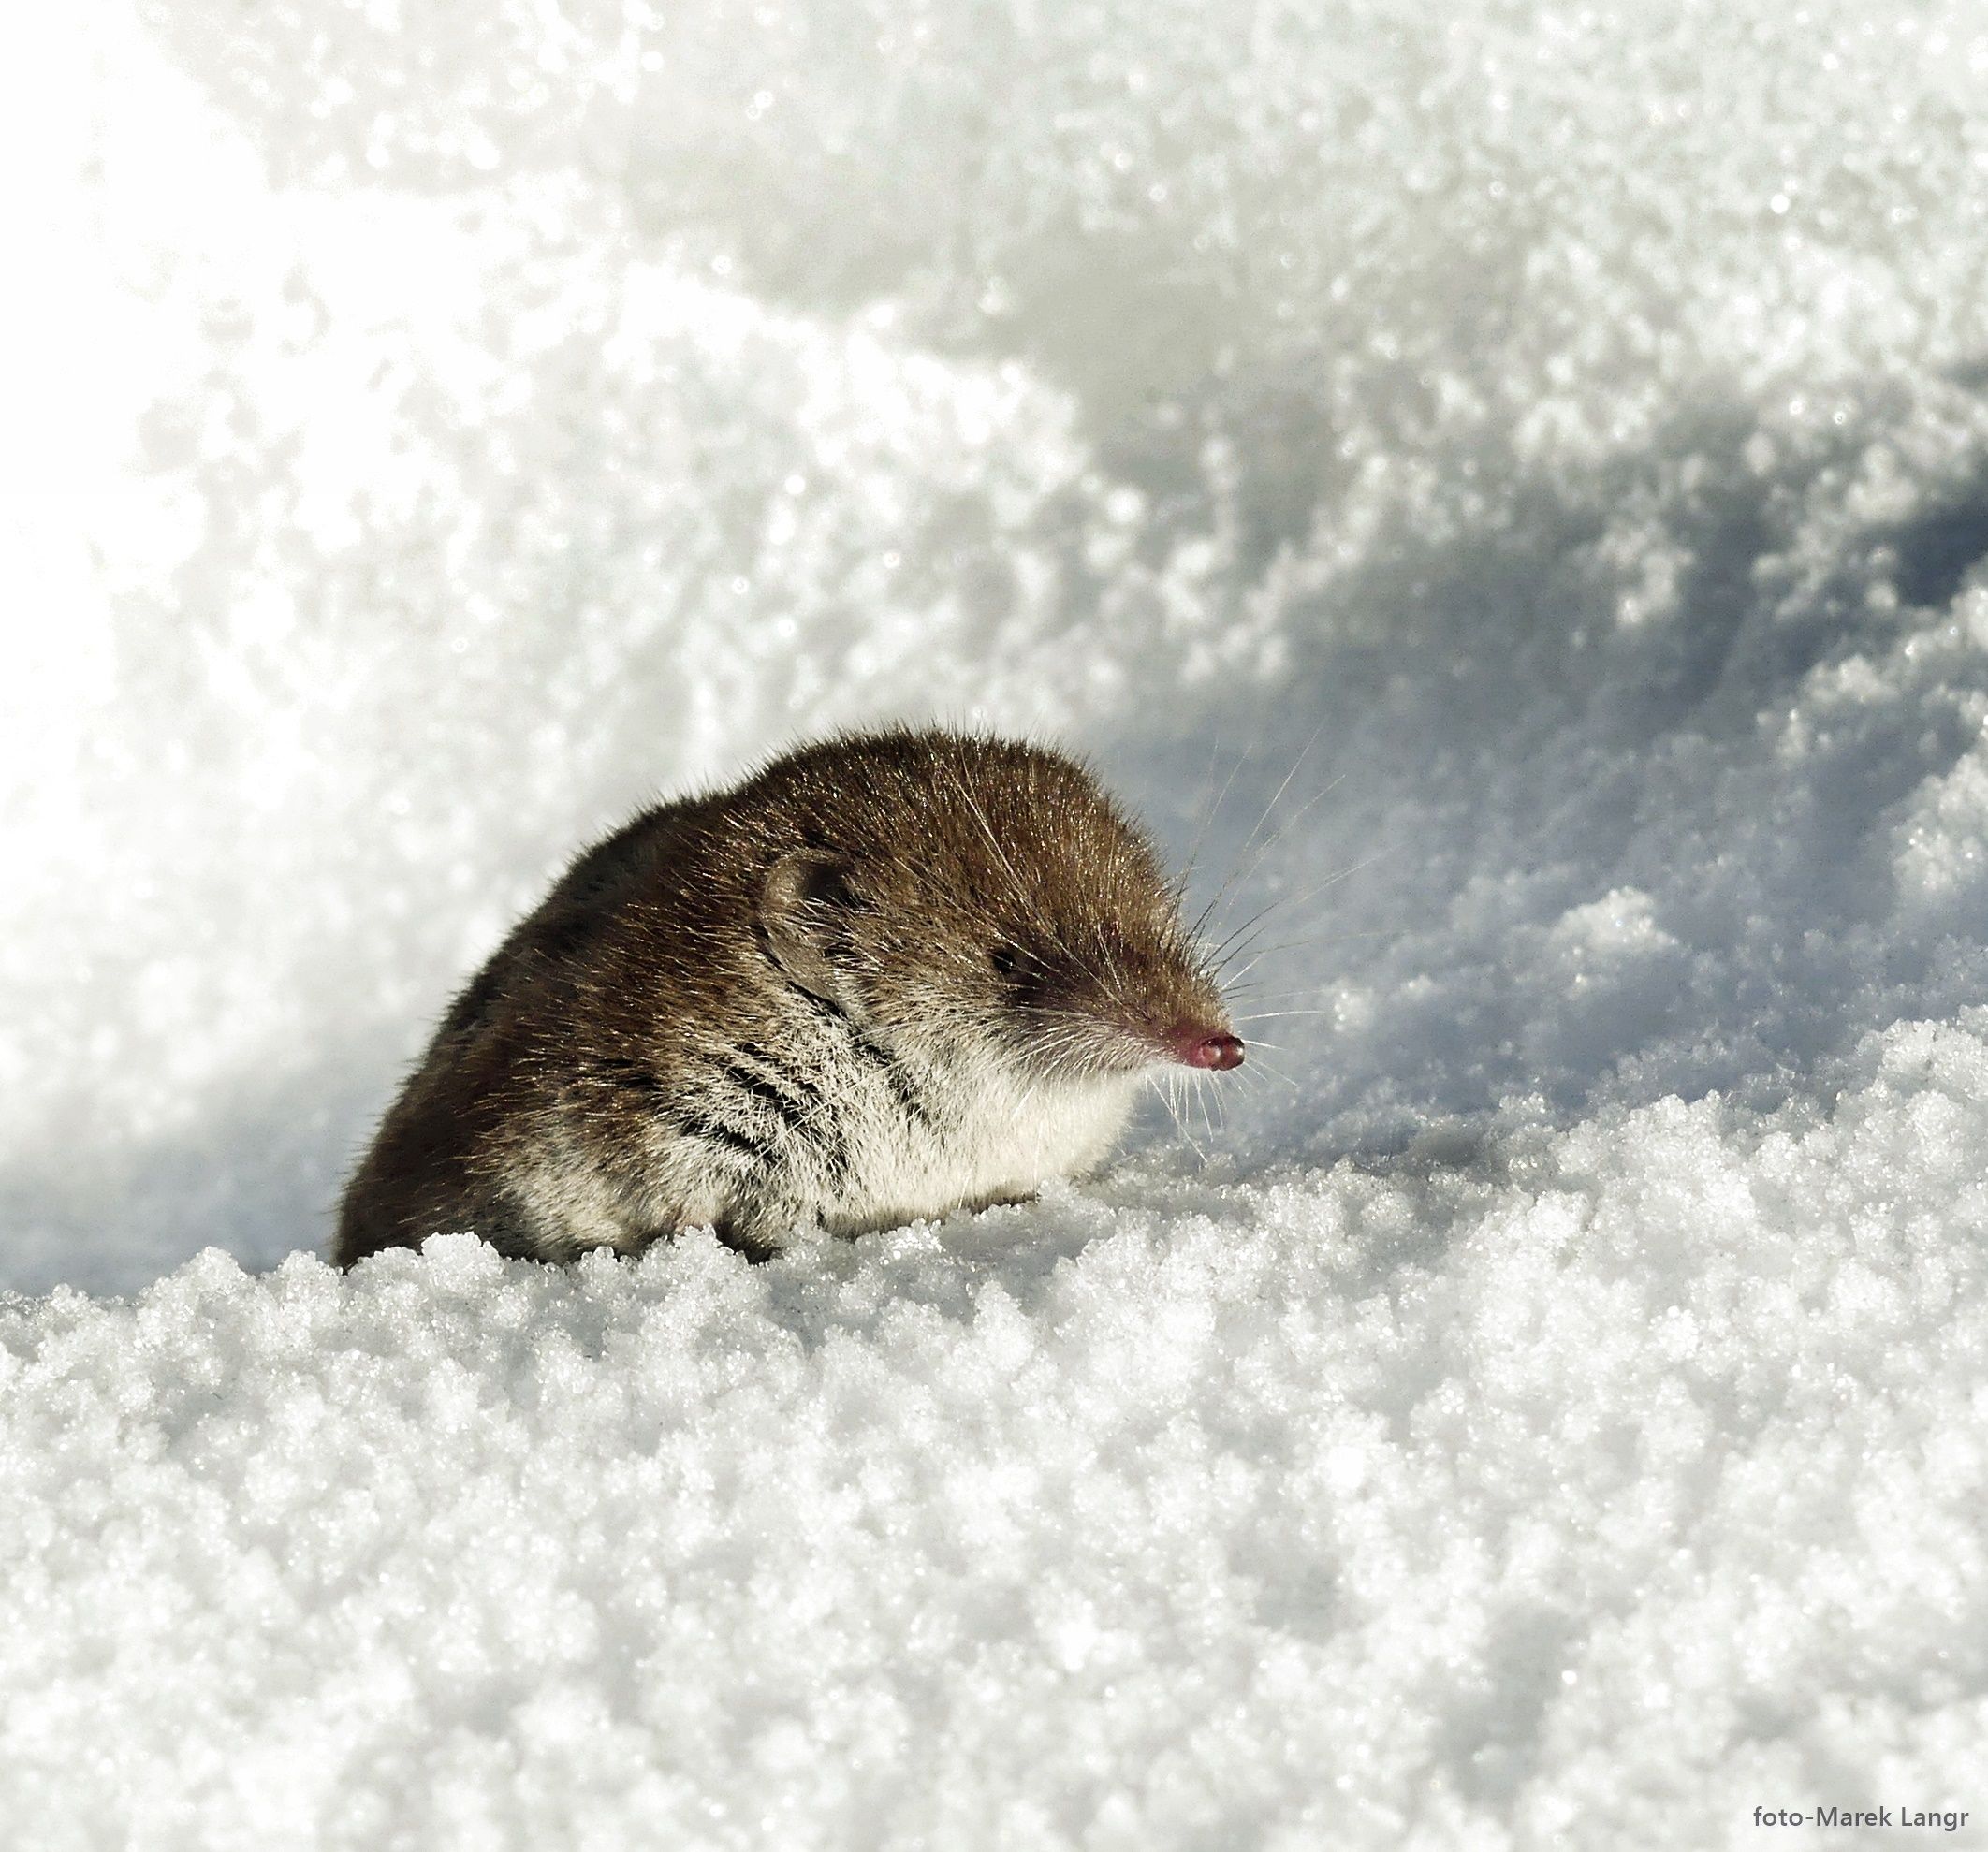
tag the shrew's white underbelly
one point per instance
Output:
(987, 1140)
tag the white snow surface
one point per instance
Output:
(1511, 478)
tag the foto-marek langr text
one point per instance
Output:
(1935, 1819)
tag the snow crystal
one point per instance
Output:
(1509, 484)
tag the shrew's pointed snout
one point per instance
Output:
(1195, 1046)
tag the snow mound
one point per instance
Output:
(1602, 1483)
(1510, 483)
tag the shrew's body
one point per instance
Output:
(891, 974)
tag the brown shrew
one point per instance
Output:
(888, 975)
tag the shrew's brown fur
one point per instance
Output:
(890, 973)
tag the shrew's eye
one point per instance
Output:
(1005, 960)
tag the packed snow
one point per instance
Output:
(1504, 486)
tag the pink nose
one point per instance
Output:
(1220, 1052)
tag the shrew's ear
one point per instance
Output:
(803, 910)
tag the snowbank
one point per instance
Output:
(1550, 1398)
(1604, 1485)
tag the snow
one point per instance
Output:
(1512, 482)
